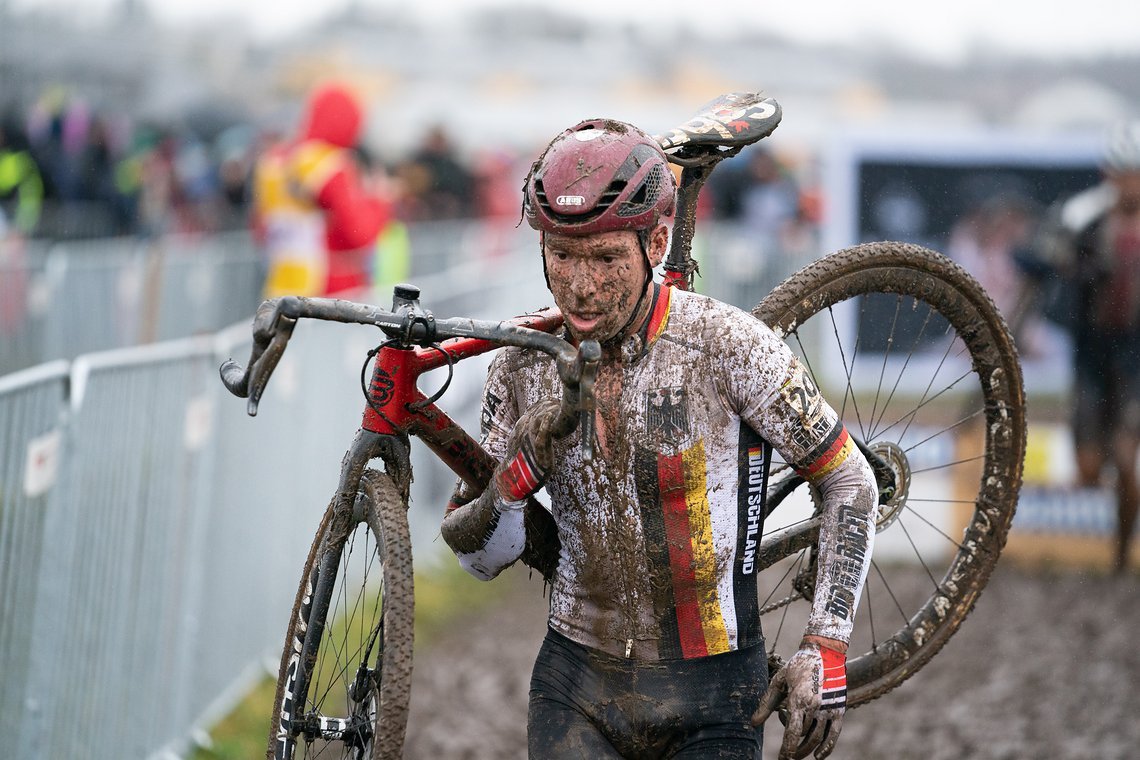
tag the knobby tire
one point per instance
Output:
(915, 279)
(376, 544)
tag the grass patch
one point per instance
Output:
(444, 593)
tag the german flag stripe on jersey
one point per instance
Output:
(657, 553)
(659, 317)
(692, 558)
(829, 454)
(704, 551)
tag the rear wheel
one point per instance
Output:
(343, 686)
(913, 354)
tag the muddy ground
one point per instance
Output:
(1047, 666)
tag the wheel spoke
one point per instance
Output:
(917, 553)
(871, 616)
(848, 369)
(912, 500)
(909, 416)
(902, 371)
(784, 614)
(778, 584)
(886, 357)
(967, 460)
(934, 527)
(933, 377)
(956, 425)
(887, 586)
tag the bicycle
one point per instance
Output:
(344, 679)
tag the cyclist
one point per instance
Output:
(1097, 246)
(654, 646)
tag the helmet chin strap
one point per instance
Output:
(621, 334)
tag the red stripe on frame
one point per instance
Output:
(671, 481)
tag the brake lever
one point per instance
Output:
(263, 368)
(271, 333)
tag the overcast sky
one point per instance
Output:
(944, 30)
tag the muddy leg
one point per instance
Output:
(1090, 459)
(1127, 494)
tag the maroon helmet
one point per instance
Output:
(600, 175)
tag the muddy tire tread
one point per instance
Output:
(906, 268)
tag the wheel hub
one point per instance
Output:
(896, 460)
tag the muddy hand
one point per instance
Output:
(530, 452)
(812, 687)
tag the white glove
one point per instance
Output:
(813, 688)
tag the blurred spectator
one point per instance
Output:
(56, 164)
(21, 192)
(235, 169)
(986, 241)
(496, 186)
(1096, 244)
(497, 202)
(761, 197)
(159, 194)
(391, 259)
(769, 198)
(312, 212)
(438, 185)
(755, 189)
(95, 179)
(21, 186)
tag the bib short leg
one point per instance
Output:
(586, 703)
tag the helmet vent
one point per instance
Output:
(607, 199)
(645, 197)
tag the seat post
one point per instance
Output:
(679, 264)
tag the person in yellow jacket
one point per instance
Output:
(312, 213)
(21, 186)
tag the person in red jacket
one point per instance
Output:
(312, 212)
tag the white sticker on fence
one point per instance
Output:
(199, 422)
(42, 464)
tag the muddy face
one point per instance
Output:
(597, 280)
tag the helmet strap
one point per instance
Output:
(643, 241)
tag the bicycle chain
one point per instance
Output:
(780, 603)
(803, 583)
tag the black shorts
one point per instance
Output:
(586, 703)
(1106, 387)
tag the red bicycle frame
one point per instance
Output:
(398, 406)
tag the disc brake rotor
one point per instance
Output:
(896, 459)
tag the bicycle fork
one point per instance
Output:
(356, 730)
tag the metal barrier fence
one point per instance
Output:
(151, 534)
(60, 300)
(64, 299)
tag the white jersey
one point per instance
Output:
(659, 532)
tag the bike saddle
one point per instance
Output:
(731, 121)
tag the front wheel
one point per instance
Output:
(345, 676)
(913, 354)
